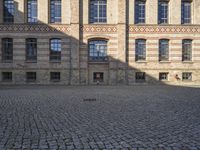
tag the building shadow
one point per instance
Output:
(75, 67)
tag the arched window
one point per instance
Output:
(55, 49)
(97, 11)
(32, 11)
(163, 50)
(140, 49)
(187, 50)
(140, 11)
(55, 11)
(31, 49)
(98, 50)
(7, 49)
(8, 11)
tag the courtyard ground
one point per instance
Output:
(100, 117)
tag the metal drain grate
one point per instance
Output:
(89, 99)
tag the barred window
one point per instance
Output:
(163, 50)
(31, 49)
(187, 50)
(140, 76)
(186, 12)
(55, 76)
(7, 76)
(98, 12)
(55, 49)
(163, 12)
(55, 11)
(32, 11)
(31, 76)
(163, 76)
(8, 11)
(140, 49)
(98, 50)
(7, 49)
(140, 11)
(187, 76)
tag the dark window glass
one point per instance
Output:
(7, 76)
(31, 49)
(187, 76)
(98, 11)
(187, 50)
(8, 11)
(32, 11)
(163, 50)
(162, 12)
(31, 76)
(140, 49)
(98, 76)
(7, 49)
(55, 11)
(55, 49)
(55, 76)
(140, 76)
(98, 50)
(185, 12)
(163, 76)
(140, 11)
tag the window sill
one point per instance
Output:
(31, 61)
(54, 61)
(141, 61)
(98, 62)
(7, 61)
(165, 61)
(187, 62)
(55, 80)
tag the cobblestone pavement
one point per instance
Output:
(98, 117)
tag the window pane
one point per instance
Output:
(98, 50)
(187, 50)
(98, 10)
(32, 11)
(55, 49)
(140, 49)
(31, 49)
(162, 12)
(55, 11)
(8, 11)
(164, 50)
(186, 12)
(7, 49)
(140, 11)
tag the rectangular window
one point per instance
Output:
(140, 49)
(186, 12)
(7, 49)
(187, 50)
(55, 11)
(163, 76)
(55, 76)
(32, 11)
(98, 76)
(140, 76)
(7, 76)
(31, 76)
(187, 76)
(163, 50)
(140, 11)
(31, 49)
(163, 12)
(55, 50)
(98, 11)
(8, 11)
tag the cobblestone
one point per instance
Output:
(122, 117)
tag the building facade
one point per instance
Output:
(85, 42)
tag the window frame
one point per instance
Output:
(57, 52)
(34, 57)
(187, 53)
(7, 49)
(185, 78)
(138, 12)
(165, 56)
(55, 76)
(98, 58)
(53, 18)
(141, 57)
(97, 19)
(161, 11)
(33, 77)
(166, 77)
(6, 80)
(32, 9)
(183, 13)
(141, 78)
(9, 18)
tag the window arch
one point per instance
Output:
(98, 11)
(55, 49)
(98, 50)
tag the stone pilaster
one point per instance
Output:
(175, 12)
(43, 16)
(66, 11)
(75, 40)
(151, 11)
(19, 16)
(122, 33)
(1, 12)
(195, 12)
